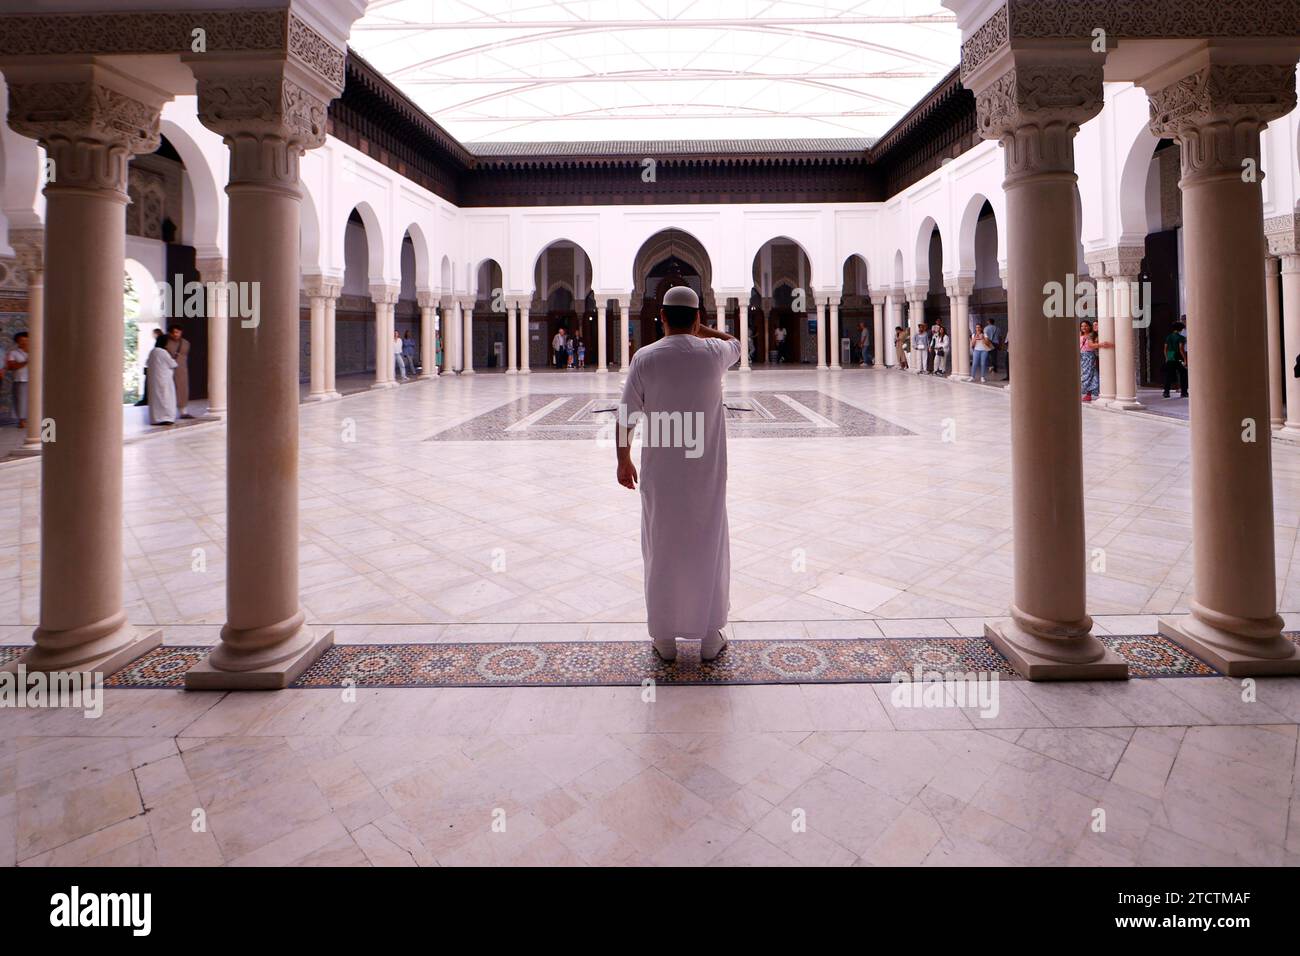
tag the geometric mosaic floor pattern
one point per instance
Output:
(630, 663)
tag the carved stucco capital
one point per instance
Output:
(89, 130)
(1217, 113)
(267, 115)
(322, 286)
(384, 294)
(1034, 109)
(1283, 235)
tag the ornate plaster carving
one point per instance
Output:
(223, 32)
(89, 130)
(1282, 233)
(1035, 110)
(1217, 113)
(267, 119)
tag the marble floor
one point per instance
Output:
(896, 532)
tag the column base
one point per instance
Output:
(1126, 404)
(333, 396)
(382, 385)
(959, 378)
(106, 655)
(1233, 654)
(467, 371)
(27, 450)
(1288, 432)
(836, 368)
(511, 371)
(275, 675)
(602, 371)
(428, 375)
(1066, 658)
(317, 397)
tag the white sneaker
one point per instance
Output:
(712, 646)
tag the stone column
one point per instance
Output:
(624, 333)
(1216, 113)
(449, 322)
(268, 113)
(90, 120)
(29, 244)
(1273, 315)
(602, 315)
(959, 334)
(833, 363)
(331, 348)
(878, 305)
(512, 336)
(319, 292)
(526, 336)
(428, 302)
(1033, 104)
(212, 273)
(1106, 335)
(1124, 271)
(384, 296)
(1291, 338)
(822, 319)
(467, 337)
(742, 326)
(915, 316)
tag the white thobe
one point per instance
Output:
(676, 383)
(162, 386)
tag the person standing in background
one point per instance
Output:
(901, 346)
(1176, 360)
(980, 348)
(408, 352)
(16, 363)
(558, 349)
(921, 349)
(162, 384)
(993, 332)
(939, 345)
(179, 348)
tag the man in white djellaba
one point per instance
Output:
(162, 383)
(674, 391)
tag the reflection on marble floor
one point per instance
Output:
(397, 529)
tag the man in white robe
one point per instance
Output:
(161, 369)
(674, 390)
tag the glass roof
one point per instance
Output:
(583, 70)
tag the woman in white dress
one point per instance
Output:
(162, 384)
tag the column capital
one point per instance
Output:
(878, 299)
(211, 269)
(1283, 235)
(1217, 112)
(1290, 264)
(467, 302)
(1037, 104)
(1124, 262)
(269, 112)
(384, 293)
(90, 120)
(918, 292)
(960, 285)
(322, 286)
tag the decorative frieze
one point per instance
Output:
(201, 32)
(1119, 19)
(267, 119)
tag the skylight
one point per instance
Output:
(581, 70)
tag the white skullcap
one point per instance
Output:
(681, 295)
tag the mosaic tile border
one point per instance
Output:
(630, 663)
